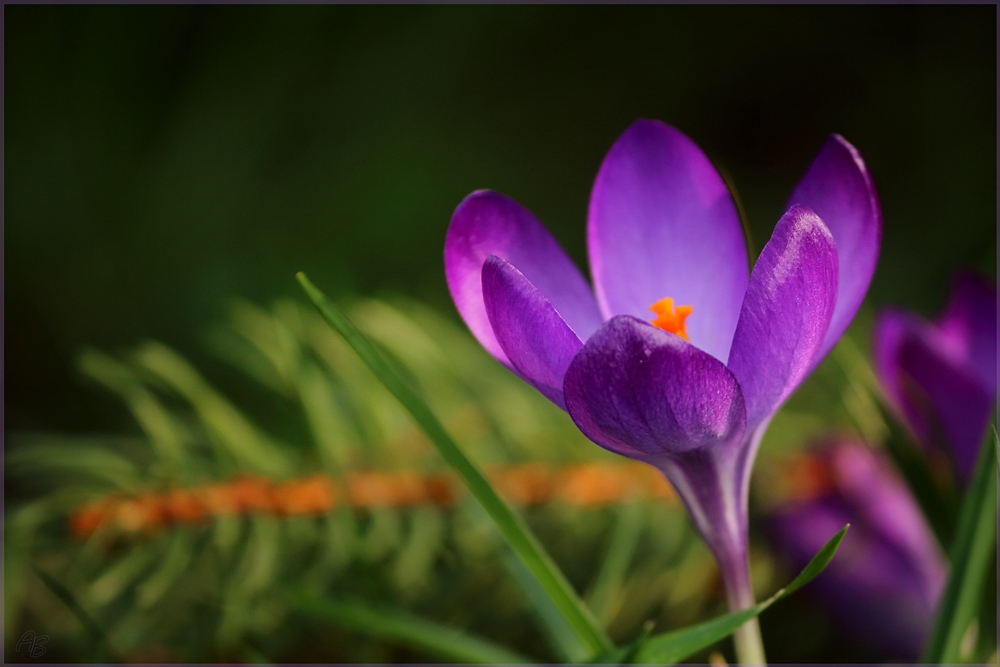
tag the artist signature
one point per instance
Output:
(34, 643)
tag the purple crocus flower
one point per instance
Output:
(941, 376)
(887, 578)
(693, 391)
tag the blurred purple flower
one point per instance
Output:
(885, 582)
(662, 223)
(941, 376)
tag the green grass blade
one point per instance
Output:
(632, 650)
(626, 654)
(675, 646)
(511, 525)
(438, 640)
(816, 565)
(975, 541)
(561, 638)
(608, 583)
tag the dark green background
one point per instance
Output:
(161, 159)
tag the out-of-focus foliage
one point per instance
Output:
(161, 158)
(955, 636)
(216, 589)
(224, 588)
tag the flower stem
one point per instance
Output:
(749, 645)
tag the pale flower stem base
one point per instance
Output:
(749, 646)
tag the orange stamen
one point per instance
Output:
(671, 319)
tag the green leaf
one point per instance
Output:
(815, 566)
(630, 651)
(975, 541)
(438, 640)
(511, 525)
(561, 638)
(675, 646)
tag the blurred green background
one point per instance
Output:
(162, 159)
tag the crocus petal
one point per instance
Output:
(645, 393)
(487, 223)
(531, 333)
(662, 223)
(893, 327)
(880, 499)
(968, 328)
(838, 188)
(786, 312)
(869, 587)
(960, 408)
(887, 578)
(929, 379)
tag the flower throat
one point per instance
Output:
(669, 318)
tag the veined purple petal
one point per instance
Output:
(649, 395)
(531, 333)
(645, 393)
(786, 312)
(487, 223)
(662, 223)
(968, 328)
(838, 188)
